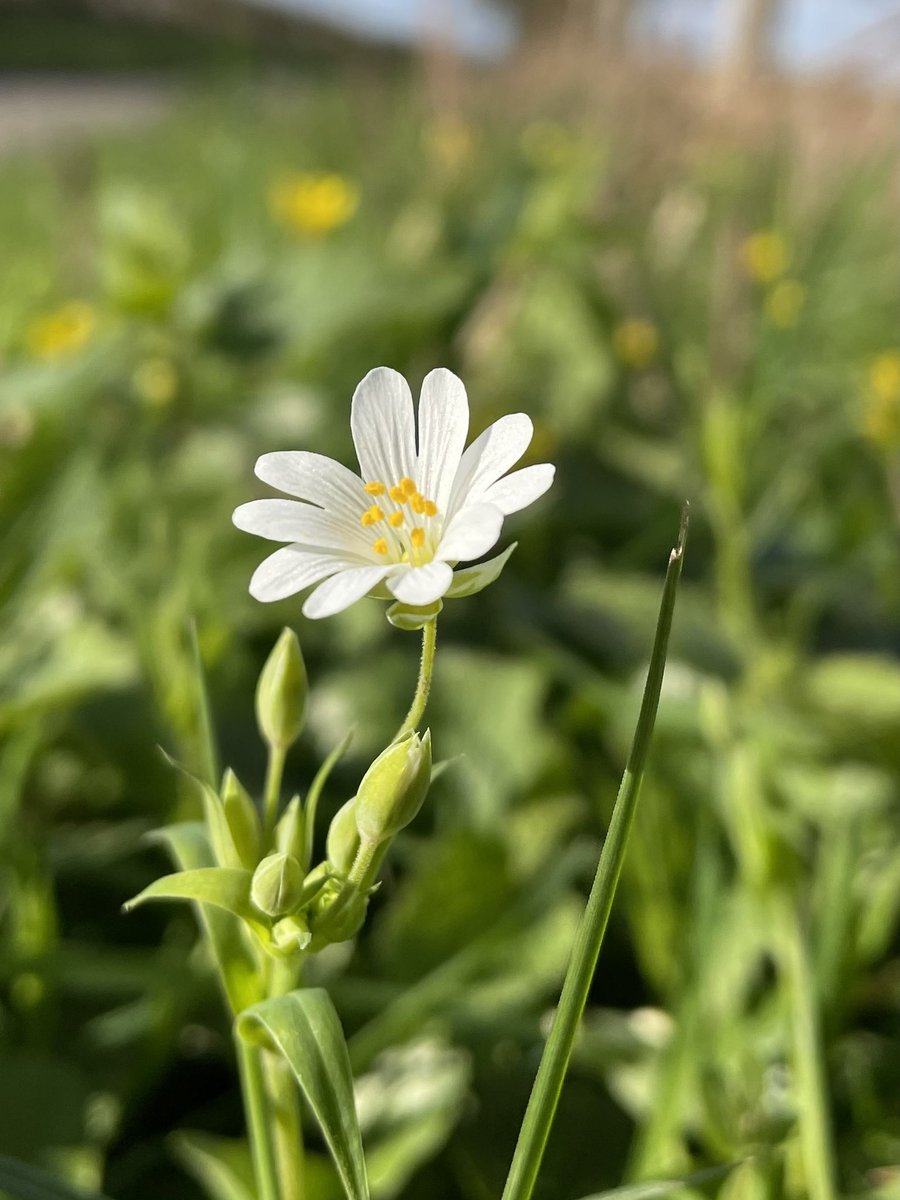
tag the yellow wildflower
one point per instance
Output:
(784, 303)
(881, 416)
(62, 332)
(766, 255)
(449, 143)
(313, 203)
(155, 381)
(635, 342)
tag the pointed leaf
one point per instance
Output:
(222, 1166)
(471, 580)
(305, 1030)
(223, 887)
(658, 1189)
(22, 1181)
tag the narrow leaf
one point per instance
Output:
(22, 1181)
(222, 1166)
(315, 791)
(305, 1030)
(223, 887)
(545, 1093)
(658, 1189)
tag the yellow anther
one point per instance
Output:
(396, 519)
(408, 486)
(397, 493)
(430, 508)
(417, 503)
(375, 488)
(417, 537)
(380, 547)
(372, 516)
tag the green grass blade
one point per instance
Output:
(544, 1098)
(22, 1181)
(304, 1029)
(706, 1180)
(209, 767)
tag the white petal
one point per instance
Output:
(383, 427)
(421, 585)
(490, 456)
(443, 425)
(291, 521)
(342, 590)
(520, 489)
(290, 570)
(314, 478)
(471, 533)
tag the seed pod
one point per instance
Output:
(394, 787)
(343, 838)
(281, 693)
(277, 884)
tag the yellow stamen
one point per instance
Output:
(396, 519)
(430, 508)
(397, 493)
(408, 486)
(375, 488)
(380, 547)
(417, 503)
(417, 537)
(372, 516)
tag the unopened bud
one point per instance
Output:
(343, 838)
(393, 788)
(242, 818)
(290, 832)
(290, 935)
(281, 693)
(277, 884)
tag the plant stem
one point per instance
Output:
(545, 1094)
(258, 1124)
(812, 1091)
(423, 687)
(274, 772)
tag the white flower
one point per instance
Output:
(418, 507)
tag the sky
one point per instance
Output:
(814, 32)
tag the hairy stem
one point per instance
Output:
(423, 687)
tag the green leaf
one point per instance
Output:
(220, 837)
(305, 1030)
(706, 1181)
(188, 843)
(471, 580)
(315, 791)
(222, 1166)
(541, 1110)
(22, 1181)
(223, 887)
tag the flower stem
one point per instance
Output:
(274, 772)
(256, 1109)
(423, 687)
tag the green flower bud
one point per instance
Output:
(277, 884)
(242, 819)
(393, 788)
(343, 838)
(290, 832)
(290, 935)
(281, 693)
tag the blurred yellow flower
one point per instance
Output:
(449, 142)
(635, 342)
(62, 332)
(784, 303)
(314, 203)
(881, 416)
(155, 381)
(766, 255)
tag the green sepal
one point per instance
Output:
(290, 832)
(342, 843)
(406, 616)
(471, 580)
(242, 818)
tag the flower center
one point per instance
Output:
(403, 519)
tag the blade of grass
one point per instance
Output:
(209, 768)
(545, 1094)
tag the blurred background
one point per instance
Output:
(669, 232)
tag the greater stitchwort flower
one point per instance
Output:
(420, 505)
